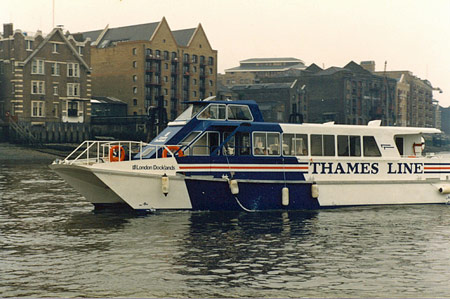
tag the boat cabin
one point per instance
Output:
(237, 129)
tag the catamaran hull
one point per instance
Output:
(144, 192)
(87, 184)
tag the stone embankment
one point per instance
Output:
(12, 152)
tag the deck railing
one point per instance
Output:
(93, 151)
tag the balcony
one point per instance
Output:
(153, 57)
(153, 82)
(152, 70)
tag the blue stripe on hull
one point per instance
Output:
(253, 175)
(216, 196)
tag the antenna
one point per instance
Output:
(53, 14)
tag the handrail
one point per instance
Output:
(89, 151)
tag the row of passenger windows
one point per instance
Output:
(222, 112)
(268, 144)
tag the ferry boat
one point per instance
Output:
(221, 155)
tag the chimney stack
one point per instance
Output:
(368, 65)
(7, 30)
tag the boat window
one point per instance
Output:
(190, 112)
(189, 138)
(322, 145)
(370, 147)
(295, 144)
(213, 111)
(399, 144)
(243, 143)
(349, 146)
(205, 145)
(266, 143)
(239, 112)
(229, 147)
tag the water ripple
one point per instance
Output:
(54, 245)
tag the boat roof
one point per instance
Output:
(207, 102)
(360, 129)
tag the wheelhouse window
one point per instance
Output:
(349, 146)
(205, 145)
(213, 111)
(230, 146)
(295, 144)
(239, 112)
(243, 143)
(266, 144)
(322, 145)
(370, 147)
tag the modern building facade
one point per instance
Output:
(150, 66)
(45, 82)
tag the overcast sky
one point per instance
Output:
(410, 35)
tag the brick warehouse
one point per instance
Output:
(151, 66)
(45, 84)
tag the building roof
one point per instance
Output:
(331, 70)
(66, 41)
(106, 100)
(262, 86)
(126, 33)
(267, 60)
(265, 68)
(314, 68)
(183, 36)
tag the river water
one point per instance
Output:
(52, 243)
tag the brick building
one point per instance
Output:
(45, 83)
(278, 102)
(348, 95)
(417, 98)
(151, 66)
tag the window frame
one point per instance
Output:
(55, 69)
(38, 67)
(217, 112)
(40, 87)
(305, 138)
(376, 146)
(191, 149)
(40, 108)
(73, 70)
(237, 105)
(311, 136)
(267, 146)
(73, 87)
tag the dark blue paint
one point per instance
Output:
(216, 195)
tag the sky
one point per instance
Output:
(411, 35)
